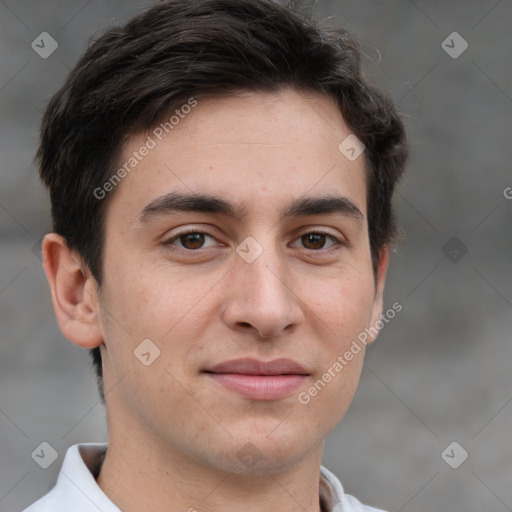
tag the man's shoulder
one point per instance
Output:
(76, 489)
(48, 503)
(335, 498)
(352, 504)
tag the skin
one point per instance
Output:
(174, 434)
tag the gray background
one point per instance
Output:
(439, 371)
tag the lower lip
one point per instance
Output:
(260, 387)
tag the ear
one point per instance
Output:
(379, 292)
(74, 293)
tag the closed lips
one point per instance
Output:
(255, 367)
(259, 380)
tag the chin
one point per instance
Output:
(262, 463)
(260, 454)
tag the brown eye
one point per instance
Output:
(189, 241)
(315, 241)
(192, 240)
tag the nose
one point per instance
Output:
(260, 296)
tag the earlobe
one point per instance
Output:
(379, 292)
(74, 293)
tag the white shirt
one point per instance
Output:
(77, 491)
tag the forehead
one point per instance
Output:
(256, 149)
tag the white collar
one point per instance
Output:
(77, 490)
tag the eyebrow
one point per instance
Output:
(206, 203)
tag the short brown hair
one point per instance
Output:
(133, 76)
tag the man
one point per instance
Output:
(221, 177)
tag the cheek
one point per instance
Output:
(342, 313)
(345, 305)
(156, 304)
(326, 400)
(148, 301)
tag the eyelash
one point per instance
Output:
(168, 243)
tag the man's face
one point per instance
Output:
(261, 286)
